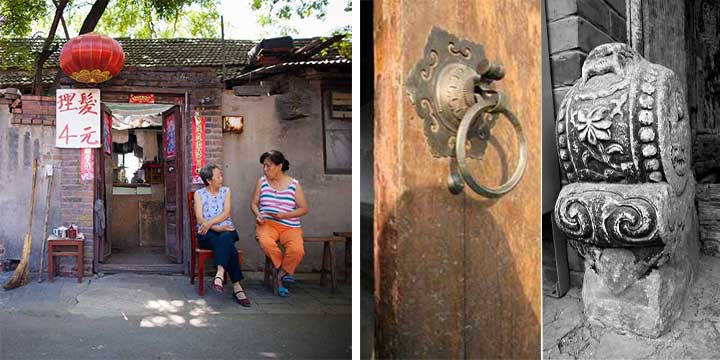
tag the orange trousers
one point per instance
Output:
(291, 239)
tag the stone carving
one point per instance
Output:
(628, 201)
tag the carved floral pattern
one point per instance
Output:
(592, 125)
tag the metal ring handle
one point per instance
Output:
(472, 113)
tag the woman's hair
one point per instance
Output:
(277, 158)
(206, 173)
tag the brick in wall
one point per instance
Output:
(575, 33)
(566, 67)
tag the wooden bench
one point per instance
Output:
(348, 255)
(328, 261)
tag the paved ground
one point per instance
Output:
(696, 335)
(161, 317)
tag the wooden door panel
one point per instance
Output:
(419, 247)
(457, 275)
(503, 237)
(103, 192)
(173, 193)
(171, 238)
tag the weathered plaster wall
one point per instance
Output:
(20, 144)
(329, 196)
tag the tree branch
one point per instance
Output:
(94, 16)
(46, 52)
(62, 21)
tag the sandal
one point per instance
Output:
(283, 292)
(288, 279)
(243, 302)
(215, 286)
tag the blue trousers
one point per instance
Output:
(224, 252)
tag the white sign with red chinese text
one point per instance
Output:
(77, 115)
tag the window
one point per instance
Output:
(337, 127)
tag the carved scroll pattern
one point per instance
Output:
(607, 218)
(573, 218)
(633, 219)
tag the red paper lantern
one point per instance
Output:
(92, 58)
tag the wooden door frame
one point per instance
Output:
(181, 101)
(99, 185)
(179, 178)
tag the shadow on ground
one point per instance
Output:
(162, 316)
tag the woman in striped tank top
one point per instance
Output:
(278, 203)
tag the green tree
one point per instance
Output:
(118, 18)
(275, 13)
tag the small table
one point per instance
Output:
(348, 247)
(54, 241)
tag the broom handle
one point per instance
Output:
(32, 195)
(44, 238)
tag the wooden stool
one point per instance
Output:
(348, 248)
(270, 280)
(328, 260)
(54, 241)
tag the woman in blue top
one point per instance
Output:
(216, 230)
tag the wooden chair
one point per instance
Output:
(197, 255)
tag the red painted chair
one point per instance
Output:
(199, 256)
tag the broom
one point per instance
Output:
(47, 212)
(21, 275)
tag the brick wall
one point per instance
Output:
(34, 110)
(76, 206)
(575, 27)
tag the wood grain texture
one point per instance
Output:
(502, 256)
(456, 276)
(418, 224)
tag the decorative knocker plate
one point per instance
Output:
(451, 88)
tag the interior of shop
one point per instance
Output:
(135, 203)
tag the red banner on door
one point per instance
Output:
(169, 133)
(87, 164)
(198, 147)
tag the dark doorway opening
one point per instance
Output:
(138, 186)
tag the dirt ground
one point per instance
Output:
(696, 335)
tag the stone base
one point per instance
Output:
(650, 306)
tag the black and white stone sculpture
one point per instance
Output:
(628, 197)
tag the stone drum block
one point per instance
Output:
(628, 201)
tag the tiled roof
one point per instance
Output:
(155, 52)
(285, 66)
(17, 78)
(138, 53)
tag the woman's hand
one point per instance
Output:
(260, 219)
(223, 228)
(280, 216)
(204, 227)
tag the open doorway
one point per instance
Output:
(139, 186)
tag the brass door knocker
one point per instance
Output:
(451, 88)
